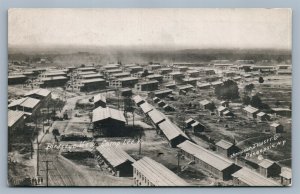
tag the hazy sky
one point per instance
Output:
(189, 28)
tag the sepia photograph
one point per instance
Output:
(149, 97)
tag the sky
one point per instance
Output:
(184, 28)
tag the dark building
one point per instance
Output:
(99, 101)
(57, 81)
(119, 162)
(110, 122)
(198, 127)
(276, 128)
(226, 148)
(162, 93)
(269, 168)
(16, 79)
(147, 85)
(92, 85)
(189, 122)
(207, 160)
(125, 92)
(248, 177)
(173, 133)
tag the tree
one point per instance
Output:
(228, 91)
(248, 88)
(261, 80)
(256, 101)
(145, 73)
(277, 103)
(246, 100)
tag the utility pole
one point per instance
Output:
(47, 171)
(178, 162)
(140, 143)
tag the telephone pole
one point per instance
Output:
(47, 171)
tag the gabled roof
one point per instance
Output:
(137, 99)
(205, 155)
(100, 114)
(128, 79)
(114, 155)
(25, 102)
(250, 109)
(184, 87)
(275, 125)
(204, 102)
(39, 92)
(54, 78)
(13, 117)
(158, 174)
(171, 130)
(154, 76)
(222, 108)
(163, 91)
(266, 163)
(146, 107)
(156, 116)
(286, 173)
(92, 75)
(260, 114)
(195, 124)
(224, 144)
(92, 80)
(99, 97)
(190, 120)
(252, 178)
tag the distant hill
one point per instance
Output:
(76, 55)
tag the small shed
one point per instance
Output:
(226, 148)
(189, 122)
(221, 110)
(99, 100)
(156, 99)
(161, 103)
(205, 104)
(168, 108)
(118, 161)
(286, 176)
(269, 168)
(276, 128)
(138, 100)
(261, 116)
(197, 127)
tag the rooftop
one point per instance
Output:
(156, 116)
(266, 163)
(250, 109)
(205, 155)
(146, 107)
(99, 97)
(114, 155)
(105, 113)
(40, 92)
(158, 174)
(171, 130)
(13, 117)
(137, 99)
(252, 178)
(224, 144)
(25, 102)
(92, 80)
